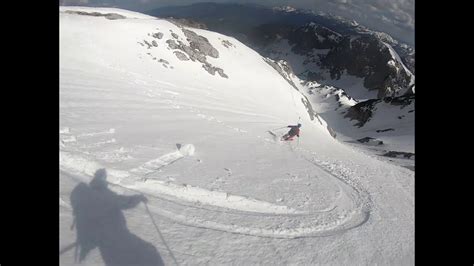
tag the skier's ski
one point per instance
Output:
(274, 136)
(272, 133)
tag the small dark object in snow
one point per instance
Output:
(158, 35)
(148, 44)
(181, 56)
(227, 44)
(397, 154)
(366, 139)
(384, 130)
(370, 140)
(163, 61)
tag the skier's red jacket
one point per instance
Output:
(295, 130)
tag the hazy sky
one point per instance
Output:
(395, 17)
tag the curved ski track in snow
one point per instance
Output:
(202, 208)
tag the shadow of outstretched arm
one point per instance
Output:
(129, 202)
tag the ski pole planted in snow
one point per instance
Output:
(159, 232)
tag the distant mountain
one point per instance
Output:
(353, 76)
(244, 20)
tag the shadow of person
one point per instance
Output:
(100, 223)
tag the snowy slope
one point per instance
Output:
(220, 189)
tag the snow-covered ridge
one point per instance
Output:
(106, 10)
(396, 57)
(284, 8)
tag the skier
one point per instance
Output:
(294, 131)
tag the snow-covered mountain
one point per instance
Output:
(180, 115)
(338, 57)
(254, 24)
(317, 53)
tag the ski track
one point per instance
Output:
(202, 208)
(158, 163)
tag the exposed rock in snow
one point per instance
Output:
(198, 48)
(181, 56)
(399, 154)
(111, 16)
(370, 141)
(200, 43)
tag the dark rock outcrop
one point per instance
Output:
(401, 101)
(157, 35)
(312, 36)
(197, 50)
(227, 44)
(384, 130)
(174, 35)
(362, 112)
(212, 70)
(370, 141)
(163, 61)
(181, 56)
(200, 43)
(369, 58)
(147, 44)
(398, 154)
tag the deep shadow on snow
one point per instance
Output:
(100, 223)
